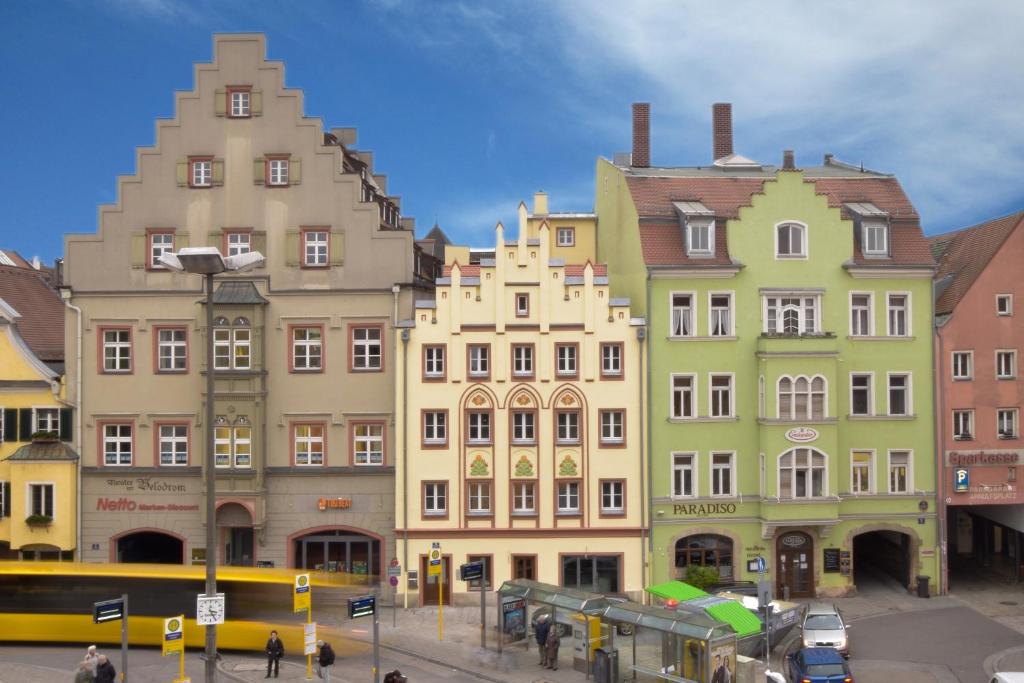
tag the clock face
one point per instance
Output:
(210, 610)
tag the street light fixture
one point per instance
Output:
(208, 261)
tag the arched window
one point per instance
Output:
(232, 344)
(790, 240)
(801, 398)
(801, 473)
(705, 550)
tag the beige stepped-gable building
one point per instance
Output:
(519, 412)
(304, 364)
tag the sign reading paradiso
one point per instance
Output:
(704, 509)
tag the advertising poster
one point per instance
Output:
(513, 612)
(723, 662)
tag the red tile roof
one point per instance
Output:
(41, 324)
(964, 254)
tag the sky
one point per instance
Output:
(471, 107)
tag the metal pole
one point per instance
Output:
(483, 614)
(768, 635)
(124, 639)
(501, 623)
(376, 647)
(394, 606)
(211, 487)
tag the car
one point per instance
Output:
(1007, 677)
(818, 665)
(738, 587)
(824, 626)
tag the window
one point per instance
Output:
(479, 426)
(307, 349)
(721, 396)
(486, 560)
(479, 497)
(232, 344)
(720, 315)
(791, 241)
(791, 315)
(238, 242)
(705, 550)
(172, 349)
(242, 438)
(1006, 423)
(684, 475)
(801, 474)
(611, 360)
(963, 425)
(1004, 304)
(160, 243)
(1006, 364)
(899, 471)
(366, 348)
(46, 420)
(963, 364)
(201, 172)
(40, 499)
(682, 316)
(479, 360)
(173, 445)
(568, 430)
(861, 401)
(566, 237)
(435, 498)
(700, 238)
(314, 248)
(233, 446)
(613, 428)
(568, 497)
(721, 474)
(860, 472)
(522, 305)
(802, 398)
(435, 427)
(277, 172)
(875, 239)
(684, 391)
(368, 444)
(613, 497)
(522, 360)
(524, 498)
(899, 394)
(565, 356)
(899, 315)
(239, 103)
(592, 573)
(433, 362)
(860, 315)
(309, 444)
(524, 426)
(117, 445)
(117, 350)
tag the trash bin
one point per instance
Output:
(922, 586)
(606, 666)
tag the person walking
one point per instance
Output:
(84, 674)
(540, 631)
(91, 658)
(325, 660)
(105, 671)
(275, 650)
(551, 647)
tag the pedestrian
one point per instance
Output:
(84, 673)
(275, 650)
(394, 677)
(551, 647)
(92, 658)
(105, 671)
(324, 660)
(541, 633)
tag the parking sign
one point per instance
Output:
(961, 480)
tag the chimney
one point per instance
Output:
(721, 114)
(641, 135)
(788, 164)
(540, 203)
(828, 159)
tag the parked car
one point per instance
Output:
(823, 626)
(1008, 677)
(738, 587)
(818, 665)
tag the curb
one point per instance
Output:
(991, 663)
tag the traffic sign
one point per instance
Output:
(395, 562)
(471, 571)
(108, 610)
(302, 597)
(961, 480)
(393, 580)
(173, 635)
(762, 566)
(434, 563)
(363, 606)
(395, 570)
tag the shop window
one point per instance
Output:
(705, 550)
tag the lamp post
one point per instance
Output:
(208, 261)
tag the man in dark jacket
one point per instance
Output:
(541, 632)
(325, 660)
(105, 672)
(275, 650)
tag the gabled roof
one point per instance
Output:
(964, 254)
(41, 321)
(571, 270)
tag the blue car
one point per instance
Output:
(818, 665)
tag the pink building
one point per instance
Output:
(979, 339)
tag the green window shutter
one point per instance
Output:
(65, 424)
(220, 102)
(294, 171)
(181, 240)
(259, 242)
(337, 248)
(218, 171)
(10, 424)
(182, 173)
(256, 102)
(291, 248)
(259, 171)
(24, 424)
(138, 250)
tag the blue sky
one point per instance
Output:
(471, 107)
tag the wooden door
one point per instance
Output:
(794, 565)
(524, 567)
(429, 586)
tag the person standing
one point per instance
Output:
(92, 659)
(551, 647)
(275, 650)
(84, 674)
(105, 671)
(541, 633)
(325, 660)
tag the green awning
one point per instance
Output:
(742, 620)
(676, 590)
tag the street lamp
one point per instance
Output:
(207, 261)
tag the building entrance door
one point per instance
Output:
(238, 549)
(794, 565)
(429, 585)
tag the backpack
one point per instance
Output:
(329, 658)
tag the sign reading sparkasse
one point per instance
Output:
(965, 458)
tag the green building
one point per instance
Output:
(790, 355)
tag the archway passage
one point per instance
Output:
(150, 546)
(881, 559)
(705, 550)
(338, 550)
(236, 533)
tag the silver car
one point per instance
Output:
(823, 626)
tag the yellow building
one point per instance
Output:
(520, 427)
(38, 470)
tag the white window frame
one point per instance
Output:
(435, 498)
(521, 490)
(732, 394)
(201, 172)
(435, 427)
(870, 475)
(362, 348)
(681, 470)
(565, 236)
(907, 314)
(241, 446)
(809, 414)
(963, 421)
(810, 469)
(316, 248)
(801, 309)
(522, 360)
(522, 300)
(477, 493)
(480, 357)
(119, 439)
(871, 393)
(178, 458)
(1013, 415)
(53, 419)
(529, 424)
(177, 349)
(308, 442)
(239, 242)
(692, 226)
(50, 497)
(804, 252)
(308, 349)
(909, 475)
(870, 332)
(565, 499)
(122, 351)
(240, 103)
(160, 243)
(672, 396)
(433, 361)
(1000, 298)
(613, 426)
(867, 227)
(611, 360)
(1012, 353)
(968, 357)
(478, 426)
(691, 315)
(568, 354)
(373, 443)
(278, 172)
(569, 431)
(730, 313)
(613, 490)
(716, 473)
(909, 389)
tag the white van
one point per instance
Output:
(1008, 677)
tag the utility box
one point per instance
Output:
(588, 634)
(606, 665)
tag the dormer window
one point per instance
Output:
(700, 237)
(875, 238)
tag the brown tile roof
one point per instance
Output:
(964, 254)
(570, 270)
(41, 324)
